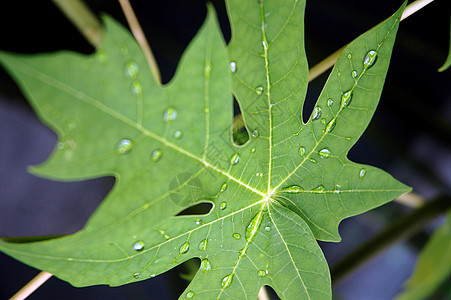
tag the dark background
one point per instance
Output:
(409, 135)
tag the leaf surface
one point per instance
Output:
(171, 147)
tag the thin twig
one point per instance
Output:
(140, 38)
(263, 294)
(32, 286)
(83, 18)
(411, 200)
(329, 61)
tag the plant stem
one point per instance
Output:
(329, 61)
(32, 286)
(83, 18)
(400, 229)
(140, 38)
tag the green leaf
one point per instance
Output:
(447, 62)
(171, 148)
(433, 266)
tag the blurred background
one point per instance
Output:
(409, 135)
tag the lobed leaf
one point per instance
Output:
(171, 148)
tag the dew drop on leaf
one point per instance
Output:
(262, 273)
(330, 102)
(313, 160)
(319, 189)
(324, 153)
(223, 187)
(233, 66)
(138, 246)
(268, 228)
(354, 74)
(189, 295)
(205, 265)
(198, 221)
(184, 248)
(317, 113)
(254, 226)
(178, 134)
(259, 90)
(301, 150)
(235, 159)
(170, 114)
(370, 59)
(346, 99)
(137, 88)
(223, 205)
(255, 133)
(124, 146)
(349, 55)
(331, 125)
(253, 150)
(292, 189)
(203, 245)
(156, 155)
(227, 281)
(136, 275)
(70, 124)
(236, 236)
(362, 173)
(131, 69)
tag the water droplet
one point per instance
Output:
(156, 155)
(268, 228)
(259, 90)
(349, 55)
(136, 275)
(70, 124)
(131, 69)
(317, 113)
(236, 236)
(323, 120)
(136, 88)
(70, 259)
(184, 248)
(254, 226)
(198, 221)
(253, 150)
(178, 134)
(101, 56)
(354, 74)
(330, 102)
(346, 99)
(319, 189)
(337, 192)
(138, 246)
(223, 205)
(235, 159)
(292, 189)
(255, 133)
(369, 59)
(331, 125)
(227, 281)
(233, 66)
(301, 150)
(262, 273)
(189, 295)
(362, 173)
(205, 265)
(170, 114)
(203, 245)
(223, 187)
(206, 109)
(124, 146)
(324, 153)
(313, 160)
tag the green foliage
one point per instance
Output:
(447, 62)
(433, 266)
(170, 147)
